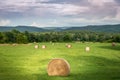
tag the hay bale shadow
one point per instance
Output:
(90, 68)
(111, 47)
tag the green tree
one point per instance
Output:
(21, 38)
(1, 38)
(67, 38)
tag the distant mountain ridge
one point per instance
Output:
(96, 28)
(22, 28)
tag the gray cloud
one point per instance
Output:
(76, 2)
(118, 1)
(69, 9)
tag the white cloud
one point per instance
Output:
(100, 2)
(114, 18)
(118, 14)
(67, 12)
(82, 21)
(66, 22)
(69, 9)
(4, 22)
(52, 23)
(35, 7)
(34, 24)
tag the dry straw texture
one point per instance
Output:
(113, 44)
(58, 67)
(87, 49)
(36, 46)
(43, 46)
(68, 45)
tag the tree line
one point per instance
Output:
(15, 36)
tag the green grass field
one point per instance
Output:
(23, 62)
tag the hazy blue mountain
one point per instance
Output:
(56, 28)
(96, 28)
(22, 28)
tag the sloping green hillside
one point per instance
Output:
(23, 62)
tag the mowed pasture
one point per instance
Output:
(24, 62)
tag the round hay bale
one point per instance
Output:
(69, 46)
(113, 44)
(43, 46)
(36, 46)
(87, 49)
(58, 67)
(14, 44)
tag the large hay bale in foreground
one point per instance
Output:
(58, 67)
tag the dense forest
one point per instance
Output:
(15, 36)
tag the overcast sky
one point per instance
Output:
(57, 13)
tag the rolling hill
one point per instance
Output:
(96, 28)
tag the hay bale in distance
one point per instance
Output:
(58, 67)
(36, 46)
(43, 46)
(113, 44)
(87, 49)
(69, 46)
(14, 44)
